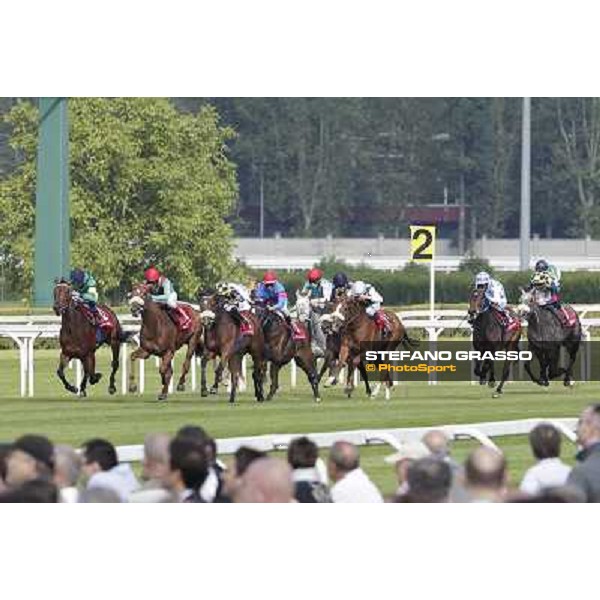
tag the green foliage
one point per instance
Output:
(149, 185)
(474, 265)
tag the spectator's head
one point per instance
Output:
(485, 473)
(545, 441)
(266, 480)
(437, 442)
(67, 468)
(34, 490)
(198, 434)
(188, 464)
(243, 457)
(4, 451)
(343, 458)
(429, 480)
(588, 427)
(302, 453)
(156, 457)
(30, 457)
(98, 455)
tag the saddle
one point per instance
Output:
(182, 316)
(246, 324)
(298, 331)
(102, 319)
(565, 314)
(507, 320)
(382, 323)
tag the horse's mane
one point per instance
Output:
(352, 307)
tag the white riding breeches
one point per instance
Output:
(373, 308)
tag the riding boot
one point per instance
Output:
(245, 326)
(182, 319)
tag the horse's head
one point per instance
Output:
(208, 302)
(346, 310)
(303, 307)
(476, 300)
(63, 295)
(526, 302)
(136, 298)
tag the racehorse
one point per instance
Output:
(281, 348)
(78, 338)
(160, 336)
(546, 335)
(356, 327)
(221, 338)
(489, 336)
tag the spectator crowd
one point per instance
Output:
(185, 468)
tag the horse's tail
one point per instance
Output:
(126, 336)
(409, 342)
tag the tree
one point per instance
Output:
(149, 185)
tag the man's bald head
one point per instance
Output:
(437, 442)
(266, 480)
(156, 455)
(588, 428)
(485, 468)
(343, 458)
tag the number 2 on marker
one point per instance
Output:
(423, 243)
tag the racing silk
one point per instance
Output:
(323, 289)
(273, 295)
(371, 294)
(555, 273)
(239, 296)
(495, 294)
(87, 291)
(164, 292)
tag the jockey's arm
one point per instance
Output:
(282, 299)
(169, 295)
(91, 295)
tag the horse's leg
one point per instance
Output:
(186, 365)
(365, 376)
(86, 375)
(115, 348)
(140, 354)
(94, 377)
(235, 368)
(166, 372)
(203, 387)
(63, 361)
(305, 361)
(218, 374)
(274, 377)
(572, 350)
(492, 374)
(258, 373)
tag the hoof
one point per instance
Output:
(82, 394)
(496, 394)
(95, 378)
(213, 391)
(181, 387)
(569, 383)
(491, 384)
(318, 400)
(133, 388)
(72, 389)
(482, 382)
(112, 390)
(162, 397)
(204, 393)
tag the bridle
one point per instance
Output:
(62, 303)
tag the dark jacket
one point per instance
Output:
(586, 475)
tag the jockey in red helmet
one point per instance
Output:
(317, 288)
(163, 292)
(272, 293)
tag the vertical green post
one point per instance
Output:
(52, 229)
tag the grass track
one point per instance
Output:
(126, 419)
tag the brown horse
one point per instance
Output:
(160, 336)
(355, 326)
(489, 334)
(222, 339)
(78, 339)
(281, 348)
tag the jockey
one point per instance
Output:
(366, 292)
(495, 296)
(341, 284)
(318, 289)
(272, 294)
(84, 290)
(237, 303)
(163, 292)
(550, 283)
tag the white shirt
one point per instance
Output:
(119, 479)
(549, 472)
(495, 293)
(355, 487)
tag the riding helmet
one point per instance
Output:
(340, 280)
(270, 277)
(314, 275)
(541, 265)
(482, 278)
(77, 276)
(152, 275)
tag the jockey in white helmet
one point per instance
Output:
(494, 294)
(365, 291)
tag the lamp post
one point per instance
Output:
(525, 185)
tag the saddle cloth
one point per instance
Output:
(105, 320)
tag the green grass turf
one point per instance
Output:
(126, 419)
